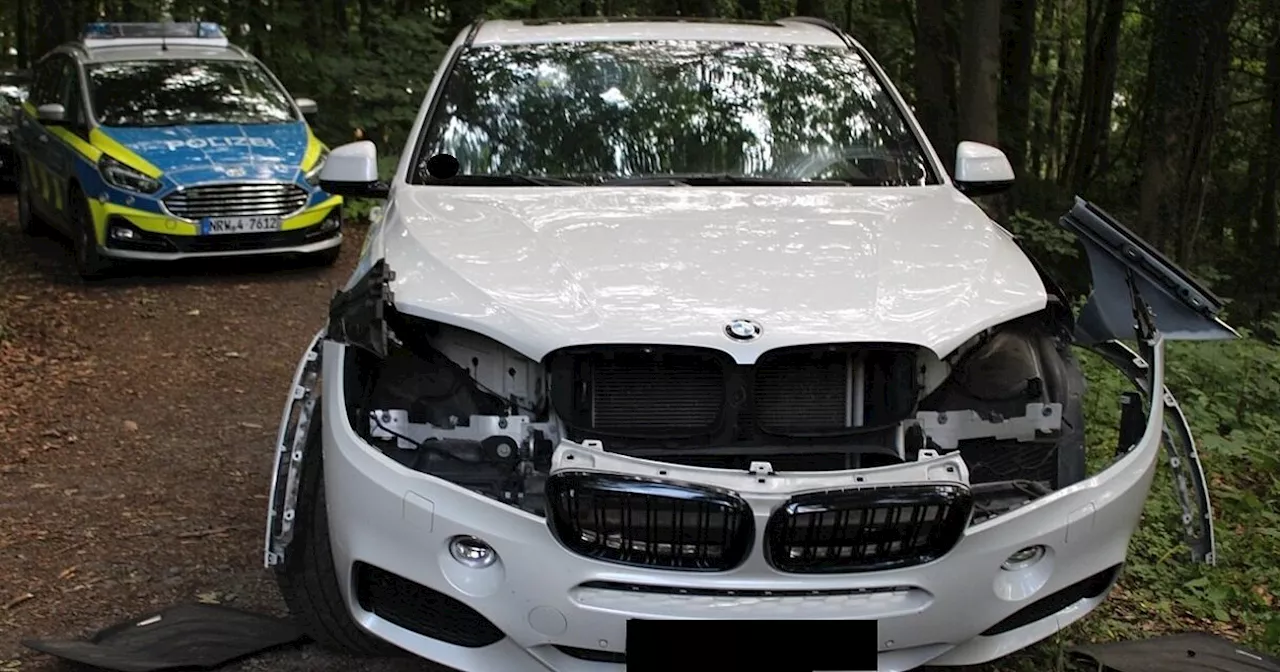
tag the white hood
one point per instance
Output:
(540, 268)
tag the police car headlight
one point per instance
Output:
(123, 176)
(313, 176)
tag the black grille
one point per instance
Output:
(420, 609)
(866, 529)
(244, 242)
(235, 200)
(637, 394)
(640, 392)
(992, 461)
(649, 522)
(802, 392)
(673, 393)
(592, 655)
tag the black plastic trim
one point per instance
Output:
(357, 315)
(722, 592)
(420, 609)
(1122, 264)
(1045, 607)
(568, 490)
(955, 498)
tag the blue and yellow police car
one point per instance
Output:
(163, 141)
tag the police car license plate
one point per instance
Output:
(221, 225)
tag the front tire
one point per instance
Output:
(308, 578)
(90, 263)
(28, 222)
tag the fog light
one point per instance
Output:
(472, 552)
(330, 223)
(1023, 559)
(122, 233)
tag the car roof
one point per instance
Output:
(119, 53)
(786, 31)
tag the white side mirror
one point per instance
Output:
(51, 113)
(306, 105)
(982, 169)
(352, 170)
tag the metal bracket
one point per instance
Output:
(1190, 486)
(291, 444)
(949, 428)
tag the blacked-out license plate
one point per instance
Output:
(768, 646)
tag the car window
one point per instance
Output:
(45, 89)
(71, 98)
(185, 92)
(626, 109)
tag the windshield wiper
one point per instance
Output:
(506, 180)
(721, 179)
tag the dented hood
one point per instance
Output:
(544, 268)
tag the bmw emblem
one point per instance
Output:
(742, 330)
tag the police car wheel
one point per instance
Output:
(89, 263)
(307, 577)
(27, 220)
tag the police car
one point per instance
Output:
(163, 141)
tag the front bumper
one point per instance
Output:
(160, 237)
(399, 521)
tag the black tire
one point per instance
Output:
(308, 578)
(325, 257)
(90, 264)
(28, 221)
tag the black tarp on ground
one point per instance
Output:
(1186, 652)
(199, 636)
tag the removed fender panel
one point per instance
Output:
(1184, 309)
(202, 636)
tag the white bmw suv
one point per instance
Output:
(680, 331)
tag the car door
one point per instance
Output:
(60, 153)
(36, 140)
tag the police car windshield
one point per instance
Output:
(185, 92)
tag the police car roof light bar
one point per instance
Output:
(191, 33)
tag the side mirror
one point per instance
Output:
(982, 170)
(51, 113)
(306, 105)
(352, 171)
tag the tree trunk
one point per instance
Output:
(1057, 100)
(22, 28)
(980, 72)
(1039, 126)
(1265, 236)
(1185, 71)
(934, 105)
(750, 9)
(1102, 63)
(50, 27)
(1019, 24)
(815, 8)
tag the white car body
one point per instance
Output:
(514, 274)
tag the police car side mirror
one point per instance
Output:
(352, 171)
(306, 105)
(51, 113)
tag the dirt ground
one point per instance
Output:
(136, 423)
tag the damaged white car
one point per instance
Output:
(676, 322)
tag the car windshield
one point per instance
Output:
(185, 92)
(719, 112)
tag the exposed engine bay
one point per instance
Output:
(457, 405)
